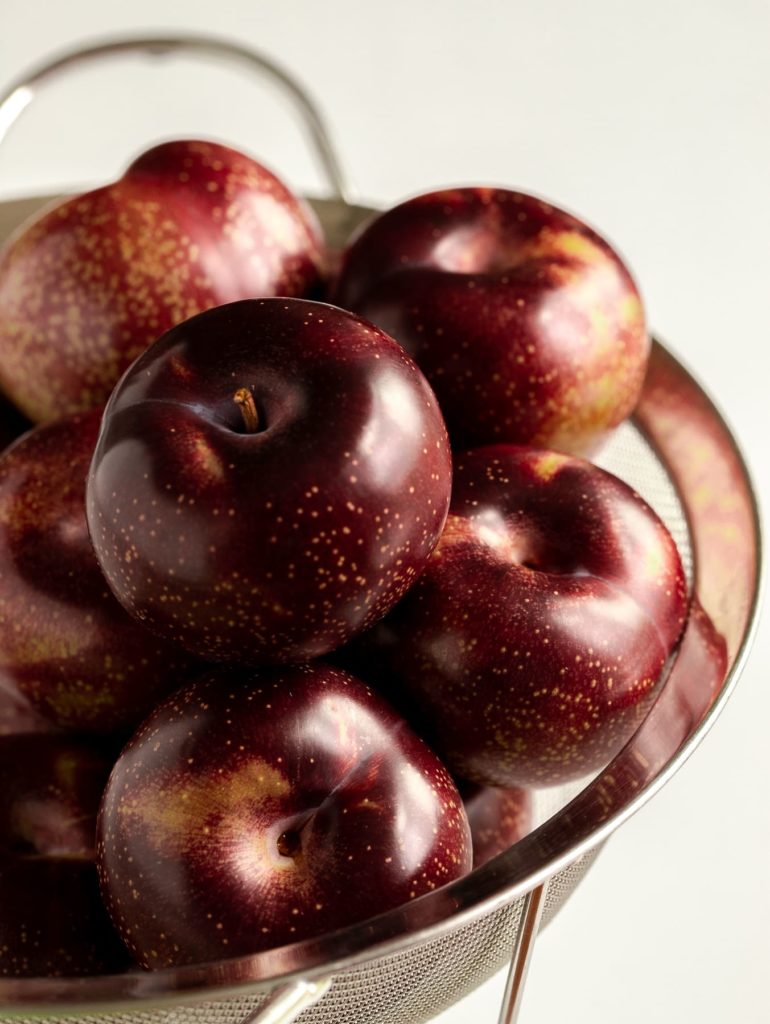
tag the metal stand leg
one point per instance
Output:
(522, 954)
(287, 1003)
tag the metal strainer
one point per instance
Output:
(409, 964)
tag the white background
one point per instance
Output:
(652, 120)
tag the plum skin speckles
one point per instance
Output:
(524, 320)
(536, 639)
(260, 807)
(66, 645)
(86, 286)
(276, 545)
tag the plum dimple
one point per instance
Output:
(525, 321)
(534, 642)
(257, 808)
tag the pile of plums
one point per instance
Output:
(300, 599)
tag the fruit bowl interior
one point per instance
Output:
(409, 964)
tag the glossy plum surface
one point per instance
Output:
(254, 809)
(278, 541)
(525, 321)
(90, 283)
(498, 818)
(66, 644)
(52, 921)
(51, 787)
(534, 642)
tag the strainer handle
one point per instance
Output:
(288, 1002)
(17, 97)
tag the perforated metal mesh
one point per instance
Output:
(405, 988)
(630, 457)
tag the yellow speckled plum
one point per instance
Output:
(253, 809)
(534, 643)
(524, 320)
(88, 285)
(270, 478)
(53, 921)
(66, 645)
(498, 818)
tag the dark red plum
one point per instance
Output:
(87, 285)
(66, 645)
(52, 920)
(51, 787)
(257, 808)
(535, 641)
(524, 320)
(270, 479)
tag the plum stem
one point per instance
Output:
(244, 399)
